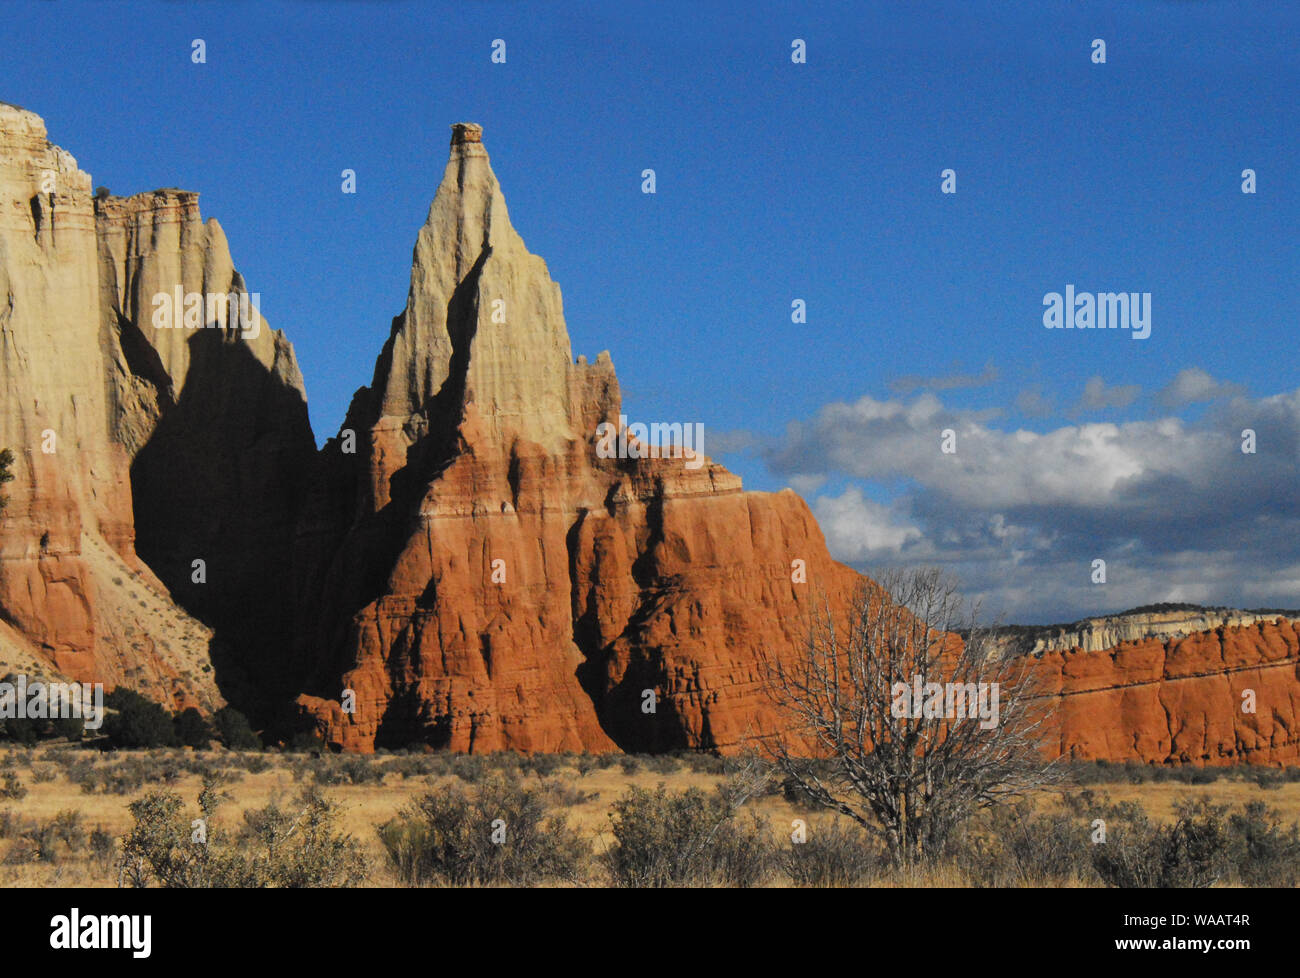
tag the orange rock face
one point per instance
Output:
(1226, 696)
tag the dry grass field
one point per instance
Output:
(41, 785)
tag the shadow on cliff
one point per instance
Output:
(216, 493)
(347, 550)
(616, 675)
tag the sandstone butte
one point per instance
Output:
(458, 557)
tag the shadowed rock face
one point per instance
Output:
(481, 579)
(181, 444)
(215, 420)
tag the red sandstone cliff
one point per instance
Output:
(482, 580)
(1180, 700)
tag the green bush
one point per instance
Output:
(136, 721)
(192, 730)
(234, 730)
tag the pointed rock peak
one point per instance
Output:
(467, 142)
(466, 132)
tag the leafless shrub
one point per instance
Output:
(910, 775)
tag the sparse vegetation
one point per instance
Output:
(418, 818)
(295, 846)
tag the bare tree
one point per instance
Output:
(905, 717)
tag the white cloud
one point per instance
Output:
(1195, 386)
(1173, 506)
(1098, 397)
(858, 528)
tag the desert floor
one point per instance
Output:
(53, 782)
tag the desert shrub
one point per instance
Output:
(499, 833)
(350, 769)
(415, 765)
(47, 842)
(255, 763)
(136, 721)
(103, 847)
(66, 827)
(682, 839)
(192, 730)
(300, 846)
(1193, 852)
(234, 730)
(1268, 778)
(835, 853)
(130, 774)
(44, 773)
(630, 763)
(544, 765)
(1016, 845)
(742, 853)
(10, 824)
(662, 764)
(305, 742)
(297, 846)
(82, 772)
(164, 846)
(562, 793)
(701, 763)
(1089, 773)
(1264, 853)
(797, 796)
(217, 773)
(13, 788)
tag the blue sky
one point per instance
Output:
(778, 181)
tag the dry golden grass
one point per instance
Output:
(366, 806)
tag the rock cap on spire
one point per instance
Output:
(466, 132)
